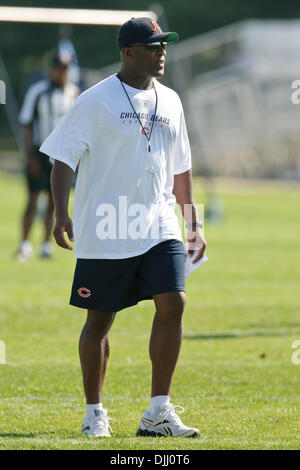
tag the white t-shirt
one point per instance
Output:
(123, 197)
(44, 105)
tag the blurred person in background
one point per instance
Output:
(45, 102)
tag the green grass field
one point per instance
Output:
(235, 376)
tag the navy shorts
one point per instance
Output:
(113, 284)
(42, 181)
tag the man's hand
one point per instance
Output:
(63, 224)
(196, 241)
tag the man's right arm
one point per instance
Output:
(61, 183)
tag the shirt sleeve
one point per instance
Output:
(182, 150)
(68, 141)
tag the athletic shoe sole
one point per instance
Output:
(146, 433)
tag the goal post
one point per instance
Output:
(70, 15)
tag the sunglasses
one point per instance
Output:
(152, 46)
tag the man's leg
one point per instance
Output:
(94, 353)
(166, 339)
(29, 214)
(165, 343)
(24, 251)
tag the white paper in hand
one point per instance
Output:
(189, 266)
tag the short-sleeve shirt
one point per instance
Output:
(44, 105)
(123, 203)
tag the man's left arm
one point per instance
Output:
(183, 191)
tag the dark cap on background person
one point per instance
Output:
(61, 59)
(142, 30)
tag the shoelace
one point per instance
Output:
(168, 412)
(103, 424)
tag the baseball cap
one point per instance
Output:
(144, 30)
(60, 59)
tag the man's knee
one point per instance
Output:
(100, 321)
(32, 202)
(170, 306)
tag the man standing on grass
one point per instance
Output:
(46, 101)
(128, 135)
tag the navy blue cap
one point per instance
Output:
(142, 30)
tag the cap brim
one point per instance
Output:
(172, 37)
(167, 37)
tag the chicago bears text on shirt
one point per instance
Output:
(145, 116)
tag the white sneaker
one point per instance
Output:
(46, 250)
(165, 423)
(24, 252)
(97, 426)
